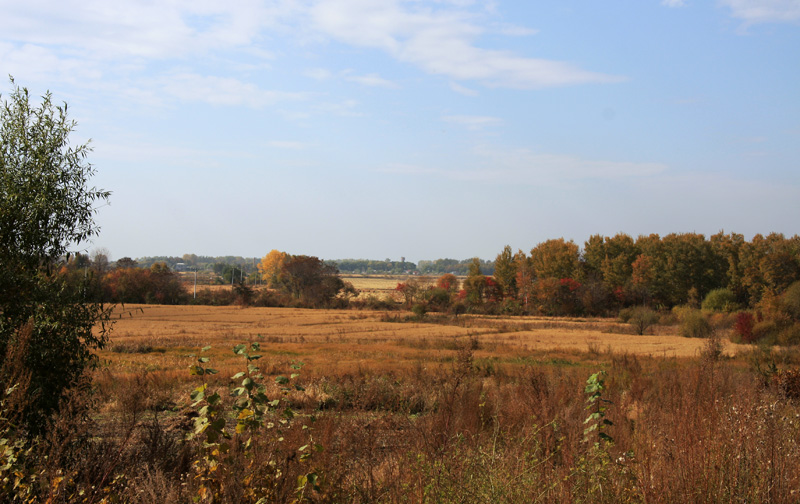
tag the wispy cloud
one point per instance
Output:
(673, 3)
(372, 80)
(161, 30)
(222, 91)
(458, 88)
(514, 30)
(526, 167)
(764, 11)
(440, 42)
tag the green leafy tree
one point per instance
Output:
(556, 259)
(46, 207)
(475, 283)
(505, 273)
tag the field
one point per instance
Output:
(375, 284)
(160, 338)
(470, 409)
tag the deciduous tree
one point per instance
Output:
(556, 259)
(46, 206)
(271, 265)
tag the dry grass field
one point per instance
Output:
(468, 410)
(161, 338)
(375, 284)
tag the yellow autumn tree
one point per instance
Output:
(271, 265)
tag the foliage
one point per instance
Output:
(743, 327)
(556, 259)
(271, 265)
(310, 280)
(448, 282)
(46, 206)
(720, 300)
(475, 284)
(790, 302)
(505, 273)
(136, 285)
(453, 266)
(641, 318)
(374, 267)
(218, 470)
(694, 324)
(595, 404)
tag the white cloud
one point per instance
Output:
(458, 88)
(108, 30)
(473, 123)
(318, 73)
(515, 31)
(372, 80)
(440, 42)
(764, 11)
(345, 108)
(525, 167)
(221, 91)
(673, 3)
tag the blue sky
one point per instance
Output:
(423, 129)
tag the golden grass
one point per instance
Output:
(375, 284)
(163, 338)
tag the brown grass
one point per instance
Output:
(473, 409)
(160, 336)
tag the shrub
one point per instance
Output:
(766, 330)
(790, 301)
(720, 300)
(744, 327)
(695, 325)
(642, 318)
(419, 310)
(789, 335)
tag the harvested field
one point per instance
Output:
(153, 337)
(473, 409)
(375, 284)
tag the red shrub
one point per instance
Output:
(744, 326)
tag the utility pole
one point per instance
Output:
(195, 282)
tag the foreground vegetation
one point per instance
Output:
(429, 413)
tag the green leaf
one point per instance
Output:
(281, 380)
(240, 349)
(211, 371)
(203, 360)
(237, 375)
(205, 348)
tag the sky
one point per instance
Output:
(421, 129)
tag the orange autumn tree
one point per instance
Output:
(271, 265)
